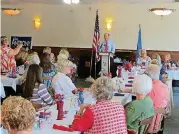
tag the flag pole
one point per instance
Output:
(90, 79)
(95, 53)
(95, 66)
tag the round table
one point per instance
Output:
(10, 82)
(70, 115)
(173, 74)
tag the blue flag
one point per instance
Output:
(139, 44)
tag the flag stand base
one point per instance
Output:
(90, 79)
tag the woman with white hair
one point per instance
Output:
(32, 58)
(49, 51)
(142, 108)
(61, 83)
(143, 59)
(159, 94)
(156, 60)
(63, 54)
(104, 117)
(157, 57)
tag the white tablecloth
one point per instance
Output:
(10, 82)
(172, 74)
(3, 95)
(169, 84)
(65, 122)
(70, 116)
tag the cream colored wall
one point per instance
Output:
(63, 27)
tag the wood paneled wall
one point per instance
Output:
(77, 52)
(84, 55)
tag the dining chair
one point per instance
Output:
(146, 123)
(37, 106)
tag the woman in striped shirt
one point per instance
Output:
(34, 89)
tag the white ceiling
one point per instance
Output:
(84, 1)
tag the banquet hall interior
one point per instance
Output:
(89, 66)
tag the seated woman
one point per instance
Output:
(162, 72)
(7, 55)
(104, 117)
(18, 115)
(61, 83)
(143, 60)
(63, 54)
(49, 69)
(142, 108)
(49, 51)
(21, 57)
(34, 89)
(156, 59)
(32, 58)
(159, 94)
(167, 62)
(74, 72)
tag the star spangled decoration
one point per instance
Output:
(59, 97)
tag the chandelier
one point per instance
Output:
(162, 11)
(71, 1)
(11, 11)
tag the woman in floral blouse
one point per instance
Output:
(143, 60)
(7, 55)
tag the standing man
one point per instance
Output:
(108, 46)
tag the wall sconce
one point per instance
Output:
(37, 23)
(108, 25)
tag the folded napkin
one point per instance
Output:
(131, 77)
(128, 85)
(109, 75)
(60, 110)
(45, 113)
(130, 81)
(3, 73)
(118, 94)
(80, 89)
(143, 67)
(63, 128)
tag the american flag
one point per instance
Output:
(96, 38)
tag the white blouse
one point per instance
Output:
(62, 84)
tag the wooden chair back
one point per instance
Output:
(37, 106)
(146, 123)
(162, 111)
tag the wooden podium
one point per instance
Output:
(105, 63)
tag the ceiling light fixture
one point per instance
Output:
(71, 1)
(11, 11)
(162, 11)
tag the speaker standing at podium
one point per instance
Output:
(108, 46)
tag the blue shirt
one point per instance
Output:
(111, 46)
